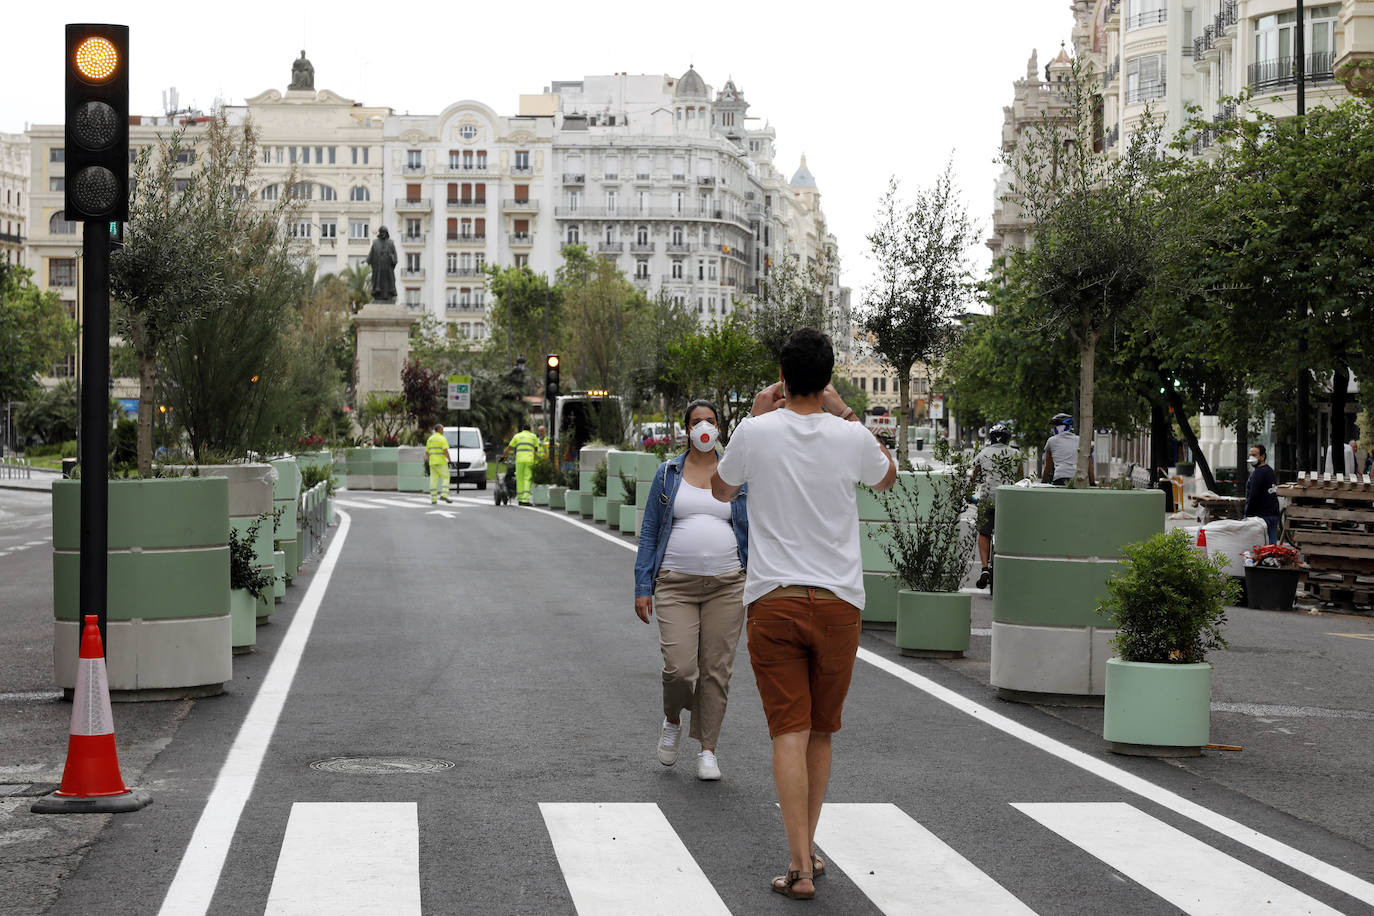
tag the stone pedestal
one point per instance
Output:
(383, 346)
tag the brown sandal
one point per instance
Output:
(787, 885)
(817, 866)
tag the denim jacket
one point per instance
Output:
(658, 524)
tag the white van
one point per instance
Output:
(467, 460)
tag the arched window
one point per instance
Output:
(328, 193)
(301, 190)
(359, 193)
(642, 235)
(60, 225)
(269, 192)
(574, 235)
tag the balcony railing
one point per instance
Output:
(679, 177)
(412, 203)
(1146, 18)
(574, 178)
(412, 169)
(642, 176)
(1113, 71)
(706, 179)
(417, 274)
(678, 247)
(611, 176)
(1112, 6)
(641, 248)
(1204, 42)
(469, 168)
(467, 237)
(414, 238)
(1225, 18)
(521, 239)
(415, 306)
(610, 247)
(1145, 92)
(460, 204)
(465, 272)
(530, 203)
(1282, 72)
(521, 170)
(1112, 137)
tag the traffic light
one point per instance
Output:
(97, 134)
(551, 377)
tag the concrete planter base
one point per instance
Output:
(557, 497)
(933, 624)
(243, 620)
(1049, 664)
(540, 494)
(613, 513)
(880, 601)
(587, 504)
(627, 521)
(154, 659)
(1157, 710)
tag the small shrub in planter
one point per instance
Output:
(1169, 602)
(314, 474)
(242, 573)
(628, 482)
(542, 472)
(599, 479)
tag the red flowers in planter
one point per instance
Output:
(1277, 555)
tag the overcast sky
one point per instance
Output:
(865, 88)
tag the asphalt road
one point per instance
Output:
(502, 642)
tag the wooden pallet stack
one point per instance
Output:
(1330, 518)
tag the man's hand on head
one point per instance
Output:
(769, 399)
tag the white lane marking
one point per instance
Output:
(193, 886)
(904, 868)
(354, 504)
(626, 860)
(419, 503)
(618, 541)
(1309, 865)
(348, 857)
(37, 543)
(443, 512)
(1186, 872)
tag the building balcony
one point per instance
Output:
(413, 170)
(1281, 73)
(1146, 19)
(611, 176)
(610, 247)
(467, 238)
(1113, 71)
(1146, 92)
(465, 272)
(470, 169)
(678, 247)
(517, 205)
(457, 204)
(416, 238)
(476, 308)
(417, 274)
(641, 248)
(574, 178)
(521, 170)
(642, 176)
(1113, 8)
(415, 306)
(520, 239)
(641, 282)
(329, 242)
(706, 180)
(413, 203)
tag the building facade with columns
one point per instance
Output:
(14, 190)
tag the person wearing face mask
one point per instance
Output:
(1262, 491)
(693, 550)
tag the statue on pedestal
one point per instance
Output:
(382, 260)
(302, 74)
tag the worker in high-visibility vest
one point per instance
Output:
(543, 441)
(525, 445)
(436, 451)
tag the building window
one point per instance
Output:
(413, 160)
(300, 229)
(451, 262)
(301, 190)
(642, 269)
(358, 194)
(522, 260)
(329, 229)
(269, 192)
(643, 201)
(574, 200)
(677, 235)
(60, 225)
(574, 235)
(57, 154)
(1146, 13)
(1145, 78)
(180, 184)
(451, 298)
(328, 193)
(412, 228)
(677, 269)
(359, 155)
(679, 201)
(1274, 45)
(357, 229)
(62, 272)
(186, 157)
(610, 200)
(701, 269)
(612, 167)
(57, 183)
(468, 132)
(412, 262)
(711, 269)
(642, 235)
(482, 159)
(522, 159)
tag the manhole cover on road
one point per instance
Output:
(381, 766)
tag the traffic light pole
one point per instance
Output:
(95, 421)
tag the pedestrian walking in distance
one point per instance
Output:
(803, 453)
(436, 453)
(1262, 492)
(693, 551)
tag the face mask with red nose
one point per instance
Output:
(704, 436)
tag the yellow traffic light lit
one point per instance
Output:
(254, 380)
(97, 59)
(553, 362)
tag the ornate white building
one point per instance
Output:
(14, 188)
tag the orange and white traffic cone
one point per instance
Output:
(91, 782)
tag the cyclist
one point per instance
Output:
(995, 465)
(1061, 453)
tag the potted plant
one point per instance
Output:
(248, 584)
(928, 543)
(1271, 576)
(1168, 605)
(629, 484)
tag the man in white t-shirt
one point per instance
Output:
(802, 455)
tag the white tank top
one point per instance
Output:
(702, 540)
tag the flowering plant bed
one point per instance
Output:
(1279, 556)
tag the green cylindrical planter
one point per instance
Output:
(599, 508)
(243, 617)
(540, 494)
(573, 502)
(933, 624)
(613, 513)
(588, 503)
(1271, 588)
(1157, 710)
(285, 493)
(1055, 550)
(557, 497)
(880, 600)
(279, 574)
(627, 521)
(169, 630)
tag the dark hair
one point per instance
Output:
(1262, 451)
(807, 361)
(699, 402)
(525, 426)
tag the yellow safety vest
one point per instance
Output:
(436, 449)
(525, 444)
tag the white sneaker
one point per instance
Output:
(668, 743)
(708, 768)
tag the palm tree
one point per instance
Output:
(358, 279)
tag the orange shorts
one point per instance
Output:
(802, 650)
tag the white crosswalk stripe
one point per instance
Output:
(627, 859)
(904, 868)
(1184, 871)
(348, 857)
(619, 859)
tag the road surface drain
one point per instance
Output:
(381, 766)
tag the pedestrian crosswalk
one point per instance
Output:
(618, 859)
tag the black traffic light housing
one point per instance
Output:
(97, 122)
(551, 362)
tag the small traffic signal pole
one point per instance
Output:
(95, 422)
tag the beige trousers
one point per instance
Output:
(699, 622)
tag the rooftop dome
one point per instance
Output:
(802, 177)
(691, 85)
